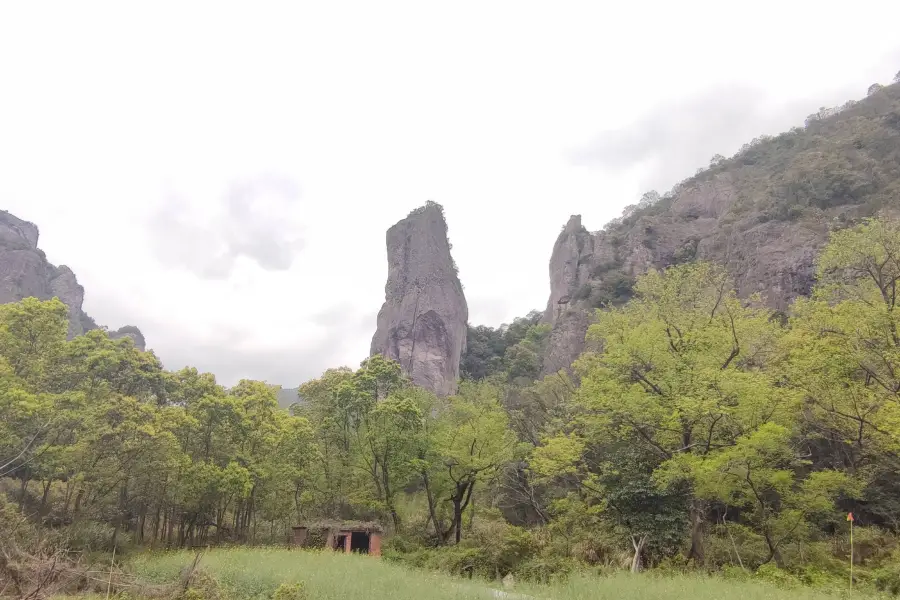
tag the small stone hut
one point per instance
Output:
(363, 537)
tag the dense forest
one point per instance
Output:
(708, 432)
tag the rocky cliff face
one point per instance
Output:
(765, 214)
(65, 286)
(593, 270)
(25, 272)
(422, 323)
(130, 331)
(570, 268)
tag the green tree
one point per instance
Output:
(613, 480)
(369, 428)
(763, 475)
(334, 478)
(523, 360)
(682, 371)
(469, 443)
(844, 358)
(393, 440)
(32, 334)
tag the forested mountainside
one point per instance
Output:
(702, 427)
(286, 396)
(764, 214)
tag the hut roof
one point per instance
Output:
(367, 526)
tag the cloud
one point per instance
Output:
(490, 309)
(340, 316)
(677, 138)
(287, 366)
(254, 219)
(232, 356)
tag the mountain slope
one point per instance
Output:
(763, 213)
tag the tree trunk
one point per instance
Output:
(638, 543)
(395, 518)
(460, 501)
(236, 518)
(45, 496)
(432, 512)
(389, 497)
(115, 534)
(774, 554)
(22, 491)
(70, 487)
(165, 523)
(78, 499)
(733, 544)
(696, 551)
(457, 517)
(170, 532)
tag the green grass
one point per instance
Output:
(254, 573)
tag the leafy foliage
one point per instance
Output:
(512, 348)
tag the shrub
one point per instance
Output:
(91, 536)
(814, 576)
(771, 573)
(506, 547)
(887, 579)
(676, 564)
(687, 252)
(492, 550)
(615, 288)
(583, 292)
(546, 567)
(733, 572)
(290, 591)
(201, 585)
(721, 544)
(399, 544)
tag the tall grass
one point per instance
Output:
(250, 573)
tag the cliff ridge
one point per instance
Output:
(25, 272)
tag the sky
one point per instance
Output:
(222, 174)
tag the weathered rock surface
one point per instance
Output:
(775, 259)
(132, 332)
(764, 214)
(570, 269)
(25, 272)
(65, 286)
(422, 324)
(14, 231)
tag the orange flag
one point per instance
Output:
(850, 517)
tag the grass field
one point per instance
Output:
(249, 573)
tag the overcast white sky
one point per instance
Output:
(222, 174)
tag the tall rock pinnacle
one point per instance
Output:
(423, 322)
(570, 270)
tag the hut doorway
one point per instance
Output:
(359, 542)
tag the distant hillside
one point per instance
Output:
(287, 397)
